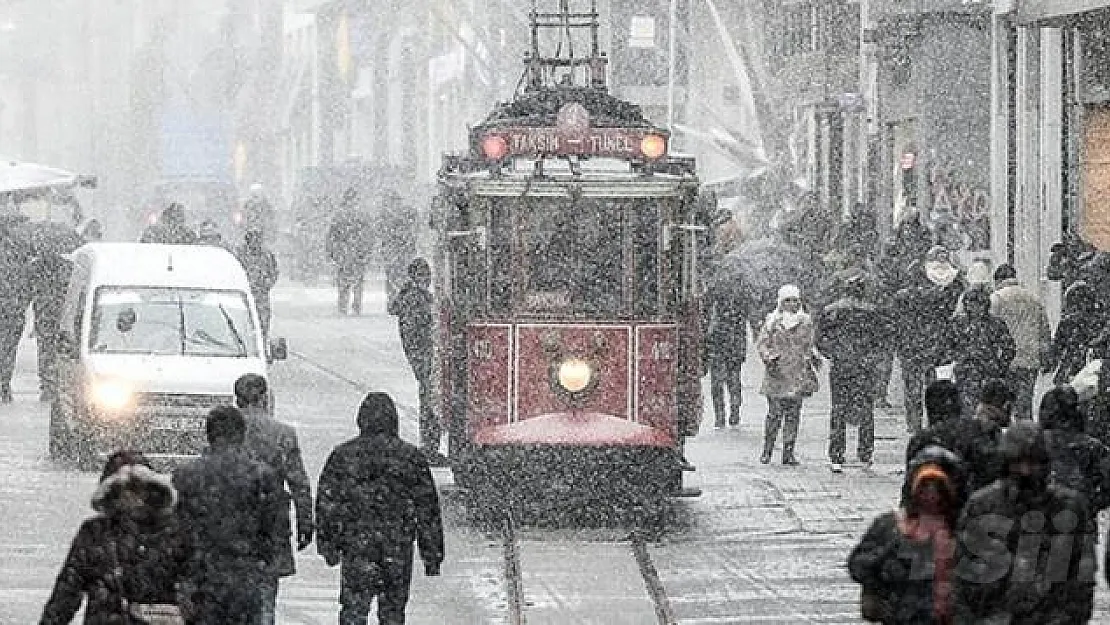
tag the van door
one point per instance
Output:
(72, 336)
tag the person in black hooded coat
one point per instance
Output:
(1078, 331)
(136, 532)
(980, 345)
(1078, 461)
(375, 498)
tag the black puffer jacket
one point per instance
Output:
(1078, 331)
(147, 543)
(376, 492)
(979, 344)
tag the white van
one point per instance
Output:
(152, 338)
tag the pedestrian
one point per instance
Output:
(50, 272)
(208, 233)
(413, 309)
(1024, 315)
(275, 444)
(1078, 461)
(261, 267)
(230, 506)
(376, 498)
(93, 232)
(728, 308)
(1025, 548)
(850, 332)
(16, 295)
(904, 561)
(1067, 259)
(170, 229)
(1081, 323)
(129, 560)
(349, 247)
(992, 415)
(786, 347)
(258, 212)
(979, 345)
(972, 440)
(923, 308)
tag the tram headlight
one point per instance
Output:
(653, 147)
(575, 375)
(494, 147)
(110, 395)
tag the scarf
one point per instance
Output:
(934, 530)
(940, 273)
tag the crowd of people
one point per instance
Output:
(209, 545)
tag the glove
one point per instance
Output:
(304, 538)
(329, 553)
(431, 569)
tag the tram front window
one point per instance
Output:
(572, 256)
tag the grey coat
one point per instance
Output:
(275, 444)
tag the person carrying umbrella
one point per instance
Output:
(15, 297)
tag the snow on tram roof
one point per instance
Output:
(183, 266)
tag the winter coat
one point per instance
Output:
(894, 565)
(727, 316)
(921, 315)
(981, 347)
(275, 444)
(413, 308)
(376, 496)
(150, 550)
(787, 354)
(50, 275)
(15, 257)
(1078, 461)
(1080, 326)
(261, 268)
(231, 507)
(851, 332)
(1025, 317)
(1051, 579)
(350, 242)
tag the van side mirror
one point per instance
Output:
(279, 349)
(68, 347)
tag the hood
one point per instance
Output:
(1060, 410)
(932, 460)
(1080, 298)
(154, 489)
(194, 375)
(977, 303)
(377, 415)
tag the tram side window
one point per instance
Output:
(645, 249)
(573, 256)
(500, 255)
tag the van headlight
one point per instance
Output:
(574, 375)
(110, 395)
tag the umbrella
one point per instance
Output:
(30, 177)
(760, 267)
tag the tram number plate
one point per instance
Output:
(183, 424)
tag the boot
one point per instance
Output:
(788, 454)
(768, 449)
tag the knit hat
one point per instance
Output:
(789, 291)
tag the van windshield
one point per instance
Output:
(168, 321)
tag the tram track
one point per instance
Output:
(516, 590)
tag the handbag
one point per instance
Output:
(809, 384)
(141, 613)
(873, 606)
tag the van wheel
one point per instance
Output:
(61, 437)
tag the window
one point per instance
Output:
(572, 256)
(172, 322)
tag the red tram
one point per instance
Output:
(567, 276)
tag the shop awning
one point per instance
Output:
(1037, 11)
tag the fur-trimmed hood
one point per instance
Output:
(155, 489)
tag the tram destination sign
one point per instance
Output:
(627, 143)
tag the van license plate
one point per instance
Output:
(183, 424)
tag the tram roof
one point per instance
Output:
(602, 185)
